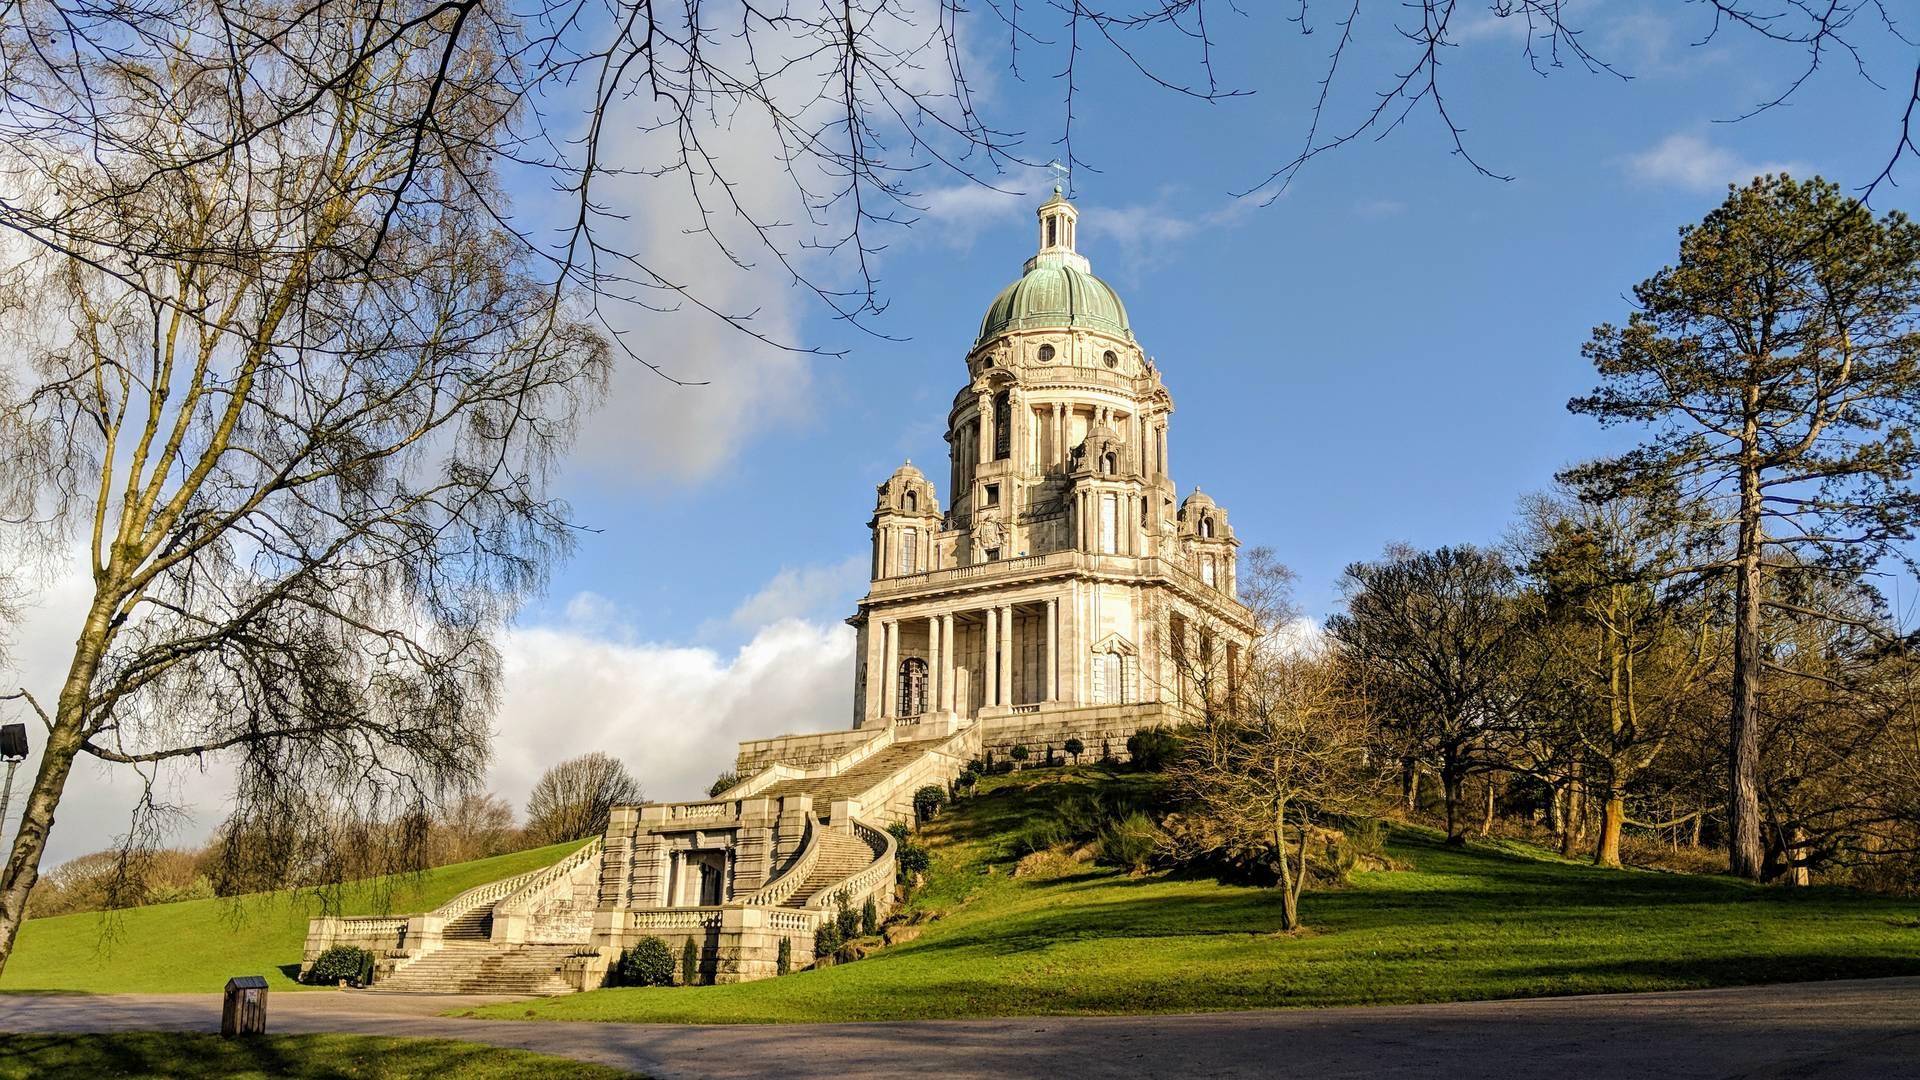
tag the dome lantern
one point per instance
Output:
(1057, 289)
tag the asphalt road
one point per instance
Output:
(1867, 1029)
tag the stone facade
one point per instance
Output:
(1046, 601)
(1053, 600)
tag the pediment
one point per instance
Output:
(1114, 643)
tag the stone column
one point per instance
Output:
(989, 676)
(872, 705)
(935, 674)
(984, 403)
(946, 663)
(1053, 650)
(1165, 470)
(1006, 655)
(890, 688)
(1064, 415)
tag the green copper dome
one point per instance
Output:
(1056, 295)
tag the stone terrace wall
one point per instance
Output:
(800, 750)
(1093, 725)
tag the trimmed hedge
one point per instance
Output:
(647, 962)
(349, 962)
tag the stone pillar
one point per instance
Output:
(946, 663)
(890, 673)
(1165, 469)
(871, 706)
(1006, 655)
(984, 403)
(989, 676)
(1065, 417)
(936, 676)
(1053, 650)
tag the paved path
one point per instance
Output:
(1869, 1029)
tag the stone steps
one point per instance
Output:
(854, 781)
(476, 968)
(841, 857)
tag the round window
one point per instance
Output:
(1112, 360)
(1046, 353)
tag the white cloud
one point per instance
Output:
(1690, 162)
(803, 593)
(673, 713)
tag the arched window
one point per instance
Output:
(1053, 231)
(1109, 463)
(1206, 570)
(1206, 527)
(913, 686)
(1002, 426)
(913, 502)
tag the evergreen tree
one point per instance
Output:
(1778, 366)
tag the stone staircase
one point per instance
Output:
(478, 967)
(474, 925)
(841, 856)
(854, 781)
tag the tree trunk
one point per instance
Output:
(1744, 853)
(1612, 815)
(56, 764)
(1486, 819)
(1556, 807)
(1570, 826)
(1289, 887)
(1410, 783)
(1454, 779)
(1796, 857)
(1699, 819)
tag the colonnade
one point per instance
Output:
(942, 639)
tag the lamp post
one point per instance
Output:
(13, 751)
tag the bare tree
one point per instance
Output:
(574, 798)
(1286, 752)
(1431, 637)
(1633, 647)
(295, 394)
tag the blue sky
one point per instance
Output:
(1381, 354)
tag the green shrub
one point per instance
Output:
(869, 917)
(1131, 843)
(722, 782)
(928, 800)
(847, 920)
(965, 783)
(785, 964)
(1075, 748)
(1153, 749)
(987, 768)
(1106, 751)
(975, 768)
(1018, 753)
(1047, 756)
(647, 962)
(1043, 833)
(1081, 815)
(900, 830)
(1367, 836)
(349, 962)
(827, 939)
(912, 859)
(689, 964)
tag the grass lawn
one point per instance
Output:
(303, 1057)
(1493, 920)
(195, 946)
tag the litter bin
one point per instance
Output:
(244, 1012)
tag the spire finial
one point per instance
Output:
(1062, 174)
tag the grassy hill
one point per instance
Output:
(194, 947)
(1494, 920)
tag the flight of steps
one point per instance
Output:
(854, 781)
(476, 967)
(841, 857)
